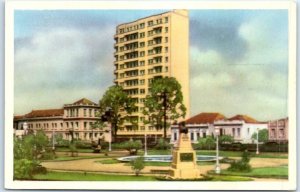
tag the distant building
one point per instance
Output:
(241, 127)
(76, 118)
(278, 130)
(198, 126)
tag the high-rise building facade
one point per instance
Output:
(153, 47)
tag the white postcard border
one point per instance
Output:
(46, 5)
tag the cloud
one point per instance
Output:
(67, 63)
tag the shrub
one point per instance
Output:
(241, 165)
(162, 144)
(73, 149)
(23, 169)
(48, 154)
(206, 143)
(137, 165)
(131, 146)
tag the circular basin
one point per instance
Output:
(165, 158)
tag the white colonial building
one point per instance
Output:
(240, 127)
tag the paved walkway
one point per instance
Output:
(90, 165)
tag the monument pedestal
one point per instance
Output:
(184, 163)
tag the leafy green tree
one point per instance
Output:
(137, 165)
(226, 139)
(116, 106)
(263, 135)
(164, 103)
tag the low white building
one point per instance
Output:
(241, 127)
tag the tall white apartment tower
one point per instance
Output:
(148, 48)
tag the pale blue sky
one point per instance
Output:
(238, 59)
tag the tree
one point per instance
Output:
(164, 103)
(137, 165)
(115, 107)
(263, 135)
(226, 139)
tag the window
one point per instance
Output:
(233, 132)
(142, 44)
(142, 82)
(142, 72)
(166, 39)
(166, 19)
(239, 132)
(142, 25)
(150, 23)
(84, 112)
(166, 29)
(142, 54)
(175, 136)
(77, 124)
(142, 35)
(192, 136)
(166, 69)
(90, 112)
(166, 49)
(84, 124)
(248, 131)
(167, 59)
(142, 63)
(61, 125)
(142, 91)
(67, 124)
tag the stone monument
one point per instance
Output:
(184, 163)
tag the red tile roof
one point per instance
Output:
(84, 101)
(16, 117)
(45, 113)
(203, 118)
(245, 118)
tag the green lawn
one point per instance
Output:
(230, 178)
(69, 158)
(264, 172)
(238, 154)
(78, 176)
(65, 149)
(108, 161)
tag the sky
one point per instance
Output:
(238, 59)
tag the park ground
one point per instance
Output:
(88, 166)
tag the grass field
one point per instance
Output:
(264, 172)
(239, 154)
(78, 176)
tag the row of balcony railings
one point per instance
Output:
(150, 34)
(150, 24)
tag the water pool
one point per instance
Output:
(166, 158)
